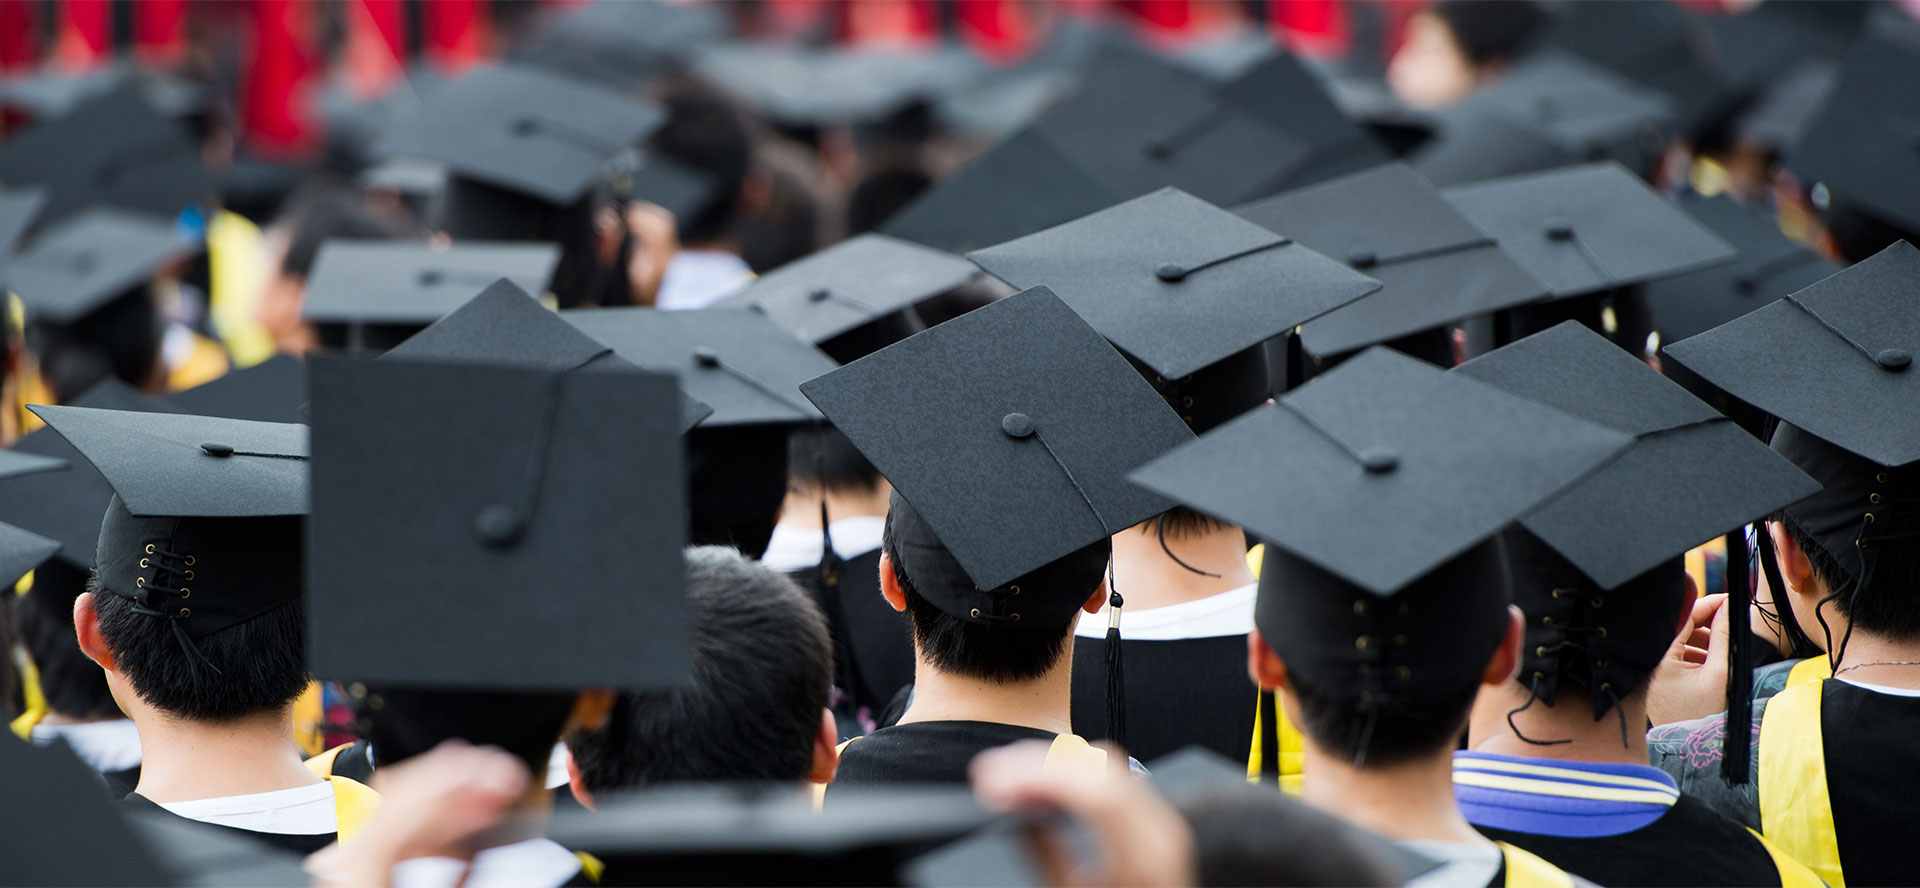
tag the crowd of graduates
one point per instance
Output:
(675, 447)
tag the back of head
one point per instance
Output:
(707, 133)
(1000, 652)
(736, 481)
(883, 193)
(822, 457)
(1859, 533)
(43, 622)
(1206, 400)
(1253, 836)
(762, 671)
(322, 216)
(120, 339)
(1492, 32)
(405, 722)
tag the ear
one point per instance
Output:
(890, 585)
(591, 711)
(1506, 658)
(578, 784)
(86, 630)
(1795, 567)
(826, 752)
(1263, 665)
(1095, 601)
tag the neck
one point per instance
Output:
(1042, 703)
(1144, 573)
(1408, 801)
(1570, 719)
(801, 508)
(185, 760)
(1876, 659)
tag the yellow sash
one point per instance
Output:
(309, 720)
(1812, 670)
(36, 700)
(206, 362)
(1793, 873)
(1526, 870)
(353, 805)
(1292, 748)
(1796, 812)
(593, 866)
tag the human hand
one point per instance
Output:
(428, 806)
(1141, 838)
(1691, 680)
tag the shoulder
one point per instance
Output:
(1691, 752)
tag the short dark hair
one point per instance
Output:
(762, 673)
(261, 663)
(1885, 609)
(406, 722)
(706, 132)
(43, 621)
(1492, 31)
(1181, 522)
(997, 653)
(120, 339)
(1381, 735)
(825, 457)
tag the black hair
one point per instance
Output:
(1858, 233)
(1380, 736)
(1000, 653)
(883, 193)
(43, 621)
(823, 456)
(1886, 608)
(261, 662)
(405, 722)
(327, 215)
(1253, 836)
(120, 339)
(706, 132)
(736, 482)
(762, 673)
(1492, 31)
(791, 224)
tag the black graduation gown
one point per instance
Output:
(1691, 844)
(1873, 778)
(121, 783)
(1178, 694)
(301, 845)
(873, 646)
(924, 752)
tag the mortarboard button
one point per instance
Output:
(1745, 285)
(1363, 260)
(1017, 425)
(1559, 231)
(1379, 460)
(497, 526)
(1170, 273)
(220, 450)
(820, 295)
(1893, 359)
(705, 357)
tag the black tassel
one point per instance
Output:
(1738, 744)
(1116, 676)
(1269, 738)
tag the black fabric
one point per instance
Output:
(21, 551)
(114, 149)
(873, 649)
(923, 752)
(1186, 692)
(395, 282)
(736, 481)
(60, 828)
(1873, 776)
(355, 762)
(1689, 845)
(740, 362)
(302, 845)
(122, 782)
(66, 505)
(272, 391)
(89, 260)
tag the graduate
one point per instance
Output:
(1557, 761)
(195, 618)
(1828, 778)
(1456, 47)
(1383, 607)
(1005, 433)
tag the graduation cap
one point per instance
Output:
(1008, 430)
(274, 390)
(833, 297)
(505, 326)
(1379, 487)
(62, 829)
(622, 45)
(1862, 143)
(1708, 475)
(86, 261)
(56, 90)
(1547, 111)
(1390, 224)
(1656, 44)
(18, 209)
(387, 282)
(525, 131)
(1176, 282)
(14, 463)
(1019, 186)
(716, 835)
(1778, 117)
(66, 505)
(113, 149)
(1278, 88)
(1767, 265)
(551, 501)
(204, 526)
(738, 361)
(1589, 228)
(811, 87)
(20, 552)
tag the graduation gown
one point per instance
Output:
(302, 845)
(1178, 693)
(1689, 845)
(924, 752)
(873, 647)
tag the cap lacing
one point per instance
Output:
(1578, 635)
(165, 566)
(1875, 528)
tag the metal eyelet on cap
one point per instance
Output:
(1539, 651)
(188, 574)
(1013, 590)
(191, 560)
(1601, 631)
(1363, 642)
(186, 592)
(149, 548)
(143, 562)
(140, 582)
(186, 612)
(1016, 618)
(1359, 608)
(1403, 673)
(1546, 621)
(1873, 498)
(974, 613)
(1880, 478)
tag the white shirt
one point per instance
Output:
(1224, 613)
(1463, 864)
(534, 863)
(797, 548)
(104, 745)
(699, 278)
(1879, 689)
(300, 811)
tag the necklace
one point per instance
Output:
(1846, 669)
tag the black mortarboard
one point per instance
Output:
(622, 45)
(1778, 116)
(846, 287)
(1176, 282)
(747, 836)
(1009, 431)
(1018, 187)
(66, 505)
(1589, 228)
(388, 282)
(18, 209)
(56, 90)
(810, 87)
(204, 527)
(73, 835)
(14, 463)
(532, 517)
(1659, 45)
(114, 149)
(1379, 487)
(526, 131)
(738, 361)
(1279, 89)
(1545, 112)
(88, 260)
(21, 551)
(1767, 265)
(274, 390)
(1390, 224)
(1862, 143)
(504, 326)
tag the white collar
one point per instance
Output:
(1883, 689)
(534, 863)
(104, 745)
(300, 811)
(699, 278)
(1222, 613)
(797, 548)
